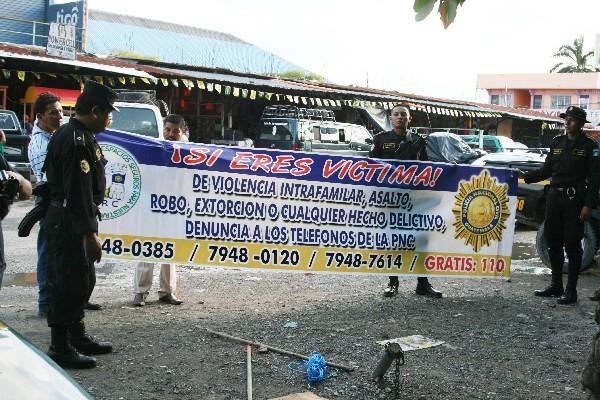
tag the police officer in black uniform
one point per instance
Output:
(573, 167)
(398, 144)
(75, 170)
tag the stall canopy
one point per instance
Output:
(68, 97)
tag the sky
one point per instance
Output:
(350, 41)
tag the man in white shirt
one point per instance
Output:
(173, 130)
(49, 114)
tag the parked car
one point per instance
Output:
(28, 373)
(17, 142)
(493, 144)
(293, 128)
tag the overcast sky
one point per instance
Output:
(344, 40)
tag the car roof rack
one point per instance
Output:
(136, 96)
(285, 111)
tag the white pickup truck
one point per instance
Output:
(139, 118)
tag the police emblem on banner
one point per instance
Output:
(481, 210)
(123, 181)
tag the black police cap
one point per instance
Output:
(575, 112)
(95, 89)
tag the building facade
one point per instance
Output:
(548, 93)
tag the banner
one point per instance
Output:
(199, 204)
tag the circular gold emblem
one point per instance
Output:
(481, 210)
(85, 166)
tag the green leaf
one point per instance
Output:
(448, 11)
(423, 8)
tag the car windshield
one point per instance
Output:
(7, 122)
(135, 120)
(275, 131)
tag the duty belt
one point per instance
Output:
(58, 204)
(570, 191)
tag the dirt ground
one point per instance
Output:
(501, 342)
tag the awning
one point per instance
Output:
(88, 67)
(68, 97)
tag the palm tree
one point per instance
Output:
(576, 60)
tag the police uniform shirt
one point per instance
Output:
(571, 163)
(389, 145)
(75, 173)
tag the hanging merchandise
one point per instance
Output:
(236, 92)
(200, 84)
(244, 93)
(145, 80)
(164, 81)
(227, 90)
(268, 96)
(253, 95)
(174, 82)
(21, 75)
(218, 88)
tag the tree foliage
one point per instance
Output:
(133, 55)
(447, 9)
(575, 58)
(302, 75)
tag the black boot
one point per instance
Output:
(392, 288)
(554, 290)
(87, 344)
(574, 253)
(424, 288)
(569, 297)
(64, 354)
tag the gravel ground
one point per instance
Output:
(501, 342)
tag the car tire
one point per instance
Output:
(590, 245)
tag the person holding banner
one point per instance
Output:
(574, 170)
(173, 130)
(399, 144)
(74, 169)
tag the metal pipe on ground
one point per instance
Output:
(274, 349)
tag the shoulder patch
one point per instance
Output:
(79, 137)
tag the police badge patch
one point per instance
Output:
(85, 166)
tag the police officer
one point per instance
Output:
(75, 174)
(572, 165)
(399, 144)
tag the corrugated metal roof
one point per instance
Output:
(127, 71)
(112, 33)
(36, 55)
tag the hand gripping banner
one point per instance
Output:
(207, 205)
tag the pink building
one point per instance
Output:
(549, 93)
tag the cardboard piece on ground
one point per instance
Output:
(414, 342)
(301, 396)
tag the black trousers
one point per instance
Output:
(564, 232)
(71, 278)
